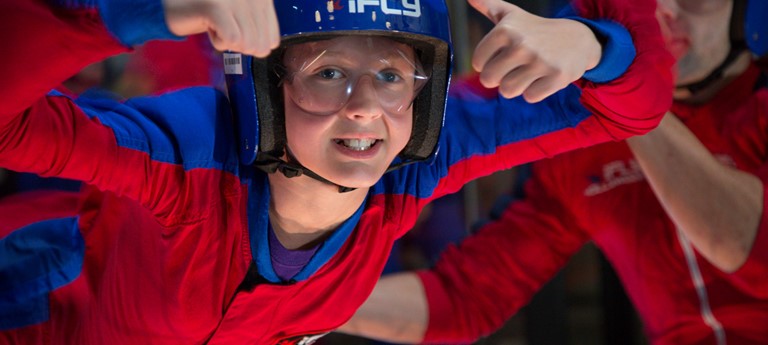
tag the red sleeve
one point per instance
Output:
(50, 135)
(44, 46)
(38, 132)
(22, 209)
(752, 277)
(633, 103)
(507, 261)
(630, 105)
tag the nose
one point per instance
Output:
(666, 11)
(363, 100)
(669, 7)
(668, 15)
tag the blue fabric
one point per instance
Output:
(27, 182)
(493, 123)
(756, 27)
(560, 111)
(618, 48)
(32, 311)
(75, 4)
(331, 245)
(192, 127)
(34, 261)
(134, 22)
(258, 221)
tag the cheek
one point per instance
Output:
(302, 131)
(403, 127)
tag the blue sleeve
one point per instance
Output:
(132, 22)
(618, 49)
(478, 137)
(190, 127)
(34, 261)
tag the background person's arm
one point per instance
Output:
(396, 311)
(718, 207)
(476, 286)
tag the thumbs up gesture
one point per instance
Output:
(532, 56)
(246, 26)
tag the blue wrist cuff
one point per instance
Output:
(134, 22)
(618, 50)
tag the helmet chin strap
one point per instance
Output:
(270, 163)
(738, 45)
(716, 75)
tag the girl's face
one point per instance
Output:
(348, 106)
(697, 34)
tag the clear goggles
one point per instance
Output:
(321, 77)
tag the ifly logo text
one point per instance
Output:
(411, 8)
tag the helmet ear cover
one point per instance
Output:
(749, 28)
(269, 104)
(428, 106)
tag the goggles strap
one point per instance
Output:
(270, 164)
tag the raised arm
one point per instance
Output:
(249, 27)
(143, 148)
(396, 311)
(621, 79)
(617, 98)
(69, 35)
(533, 63)
(719, 208)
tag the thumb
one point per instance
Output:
(494, 10)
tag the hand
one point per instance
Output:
(529, 55)
(246, 26)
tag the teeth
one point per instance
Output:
(358, 144)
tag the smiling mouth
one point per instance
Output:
(358, 144)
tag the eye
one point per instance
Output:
(389, 77)
(330, 73)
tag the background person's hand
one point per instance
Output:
(529, 55)
(245, 26)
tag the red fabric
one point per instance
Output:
(627, 116)
(600, 194)
(21, 209)
(43, 65)
(170, 65)
(166, 269)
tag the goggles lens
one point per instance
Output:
(322, 76)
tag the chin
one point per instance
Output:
(356, 182)
(357, 178)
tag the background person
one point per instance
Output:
(679, 212)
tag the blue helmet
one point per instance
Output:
(756, 27)
(257, 99)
